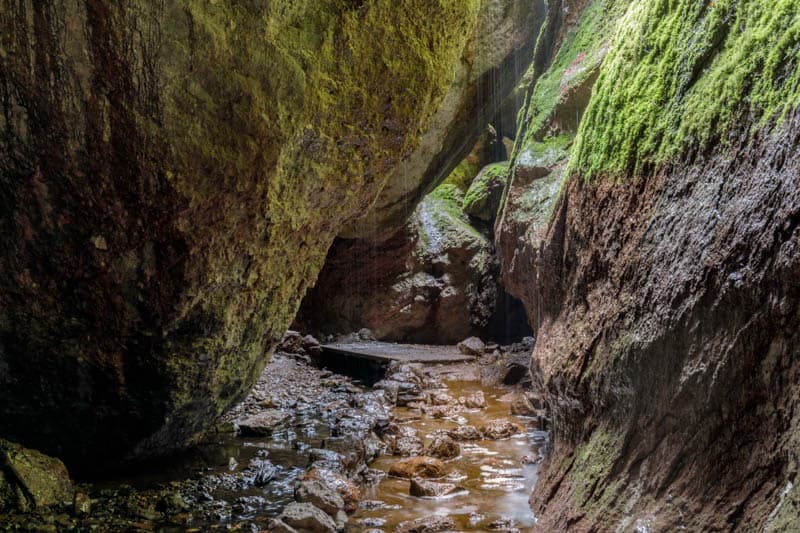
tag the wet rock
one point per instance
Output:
(476, 400)
(262, 424)
(259, 472)
(522, 406)
(423, 488)
(471, 346)
(422, 466)
(500, 429)
(427, 524)
(440, 398)
(326, 459)
(346, 489)
(320, 495)
(465, 433)
(279, 526)
(43, 480)
(443, 447)
(312, 345)
(407, 446)
(503, 524)
(307, 517)
(440, 411)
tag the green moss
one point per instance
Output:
(576, 60)
(483, 196)
(463, 174)
(594, 460)
(681, 73)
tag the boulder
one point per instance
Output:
(30, 479)
(321, 495)
(346, 489)
(500, 429)
(425, 467)
(476, 400)
(483, 197)
(262, 424)
(443, 447)
(465, 433)
(308, 518)
(423, 488)
(471, 346)
(164, 220)
(427, 524)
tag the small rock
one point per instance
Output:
(407, 446)
(427, 524)
(443, 447)
(471, 346)
(306, 517)
(504, 524)
(322, 496)
(262, 424)
(311, 345)
(426, 467)
(81, 504)
(476, 400)
(465, 433)
(422, 488)
(500, 429)
(440, 398)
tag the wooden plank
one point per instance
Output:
(384, 352)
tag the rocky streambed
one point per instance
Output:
(426, 448)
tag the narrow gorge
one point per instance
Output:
(417, 266)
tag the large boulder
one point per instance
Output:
(172, 175)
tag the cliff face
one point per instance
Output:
(665, 285)
(171, 176)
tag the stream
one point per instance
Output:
(497, 475)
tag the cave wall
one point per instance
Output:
(171, 177)
(662, 270)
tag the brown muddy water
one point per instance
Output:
(497, 475)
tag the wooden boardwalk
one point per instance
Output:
(385, 352)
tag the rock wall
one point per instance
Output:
(664, 282)
(171, 177)
(434, 281)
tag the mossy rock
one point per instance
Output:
(486, 191)
(172, 175)
(29, 478)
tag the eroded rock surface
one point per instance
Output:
(172, 177)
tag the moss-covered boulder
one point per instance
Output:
(29, 479)
(483, 197)
(171, 177)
